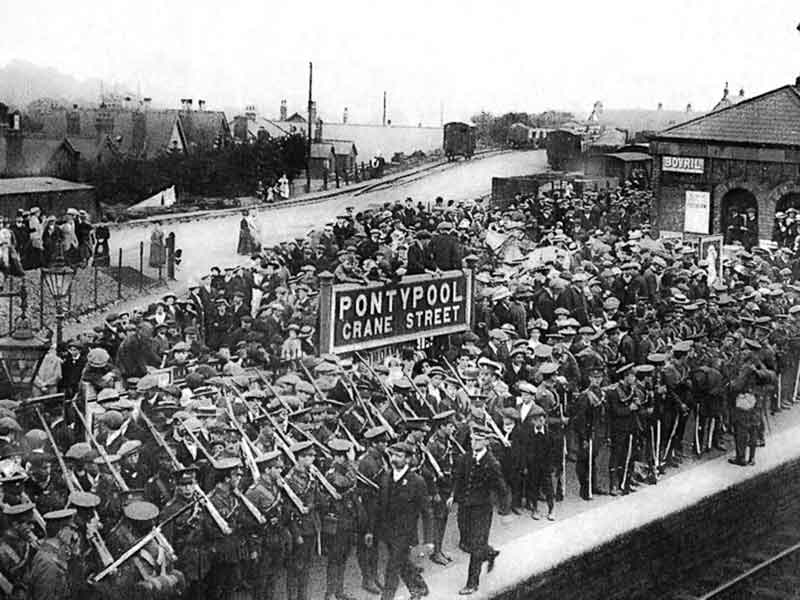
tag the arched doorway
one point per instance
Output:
(740, 217)
(790, 200)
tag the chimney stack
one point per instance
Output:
(284, 114)
(15, 161)
(344, 116)
(201, 105)
(312, 116)
(689, 107)
(250, 112)
(660, 106)
(126, 103)
(147, 101)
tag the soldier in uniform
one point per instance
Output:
(553, 401)
(184, 533)
(675, 378)
(224, 575)
(746, 415)
(622, 414)
(341, 518)
(371, 465)
(586, 417)
(303, 526)
(18, 545)
(440, 448)
(476, 476)
(49, 573)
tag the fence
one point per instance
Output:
(93, 288)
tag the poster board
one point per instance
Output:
(697, 212)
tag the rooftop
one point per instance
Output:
(772, 118)
(37, 185)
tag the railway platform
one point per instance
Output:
(601, 549)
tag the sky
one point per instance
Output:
(462, 56)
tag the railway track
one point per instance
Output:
(769, 569)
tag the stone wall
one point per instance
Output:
(644, 562)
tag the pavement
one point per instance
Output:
(213, 241)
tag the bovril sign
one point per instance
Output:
(683, 164)
(357, 317)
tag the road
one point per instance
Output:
(213, 242)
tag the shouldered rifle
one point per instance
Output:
(385, 389)
(423, 400)
(455, 443)
(495, 429)
(198, 491)
(155, 533)
(315, 472)
(358, 399)
(6, 586)
(101, 451)
(92, 534)
(432, 460)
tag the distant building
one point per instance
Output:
(639, 122)
(726, 100)
(53, 196)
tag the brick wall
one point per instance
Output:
(643, 563)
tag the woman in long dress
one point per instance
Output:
(245, 246)
(158, 251)
(255, 230)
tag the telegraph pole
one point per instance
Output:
(384, 109)
(308, 143)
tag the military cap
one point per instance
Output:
(416, 423)
(227, 463)
(657, 358)
(63, 514)
(107, 395)
(326, 368)
(754, 345)
(141, 511)
(268, 457)
(403, 384)
(15, 510)
(644, 369)
(624, 369)
(488, 363)
(526, 387)
(339, 445)
(402, 448)
(82, 499)
(301, 447)
(375, 432)
(443, 417)
(682, 346)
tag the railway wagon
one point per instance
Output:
(565, 151)
(459, 140)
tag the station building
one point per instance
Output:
(741, 158)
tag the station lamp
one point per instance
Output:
(58, 280)
(21, 354)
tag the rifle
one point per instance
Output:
(199, 493)
(423, 401)
(91, 533)
(495, 429)
(155, 533)
(455, 443)
(385, 389)
(437, 470)
(101, 451)
(358, 399)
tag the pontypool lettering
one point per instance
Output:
(417, 306)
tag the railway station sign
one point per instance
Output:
(358, 317)
(683, 164)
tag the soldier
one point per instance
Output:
(553, 401)
(675, 378)
(17, 546)
(303, 526)
(586, 417)
(622, 416)
(341, 517)
(49, 573)
(439, 479)
(476, 477)
(371, 465)
(403, 498)
(185, 534)
(746, 415)
(224, 574)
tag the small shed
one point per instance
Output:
(53, 196)
(332, 154)
(620, 164)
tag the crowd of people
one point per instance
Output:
(596, 347)
(32, 240)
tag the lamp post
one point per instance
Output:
(58, 279)
(21, 354)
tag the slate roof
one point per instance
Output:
(773, 118)
(635, 120)
(36, 185)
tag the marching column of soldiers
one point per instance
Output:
(200, 449)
